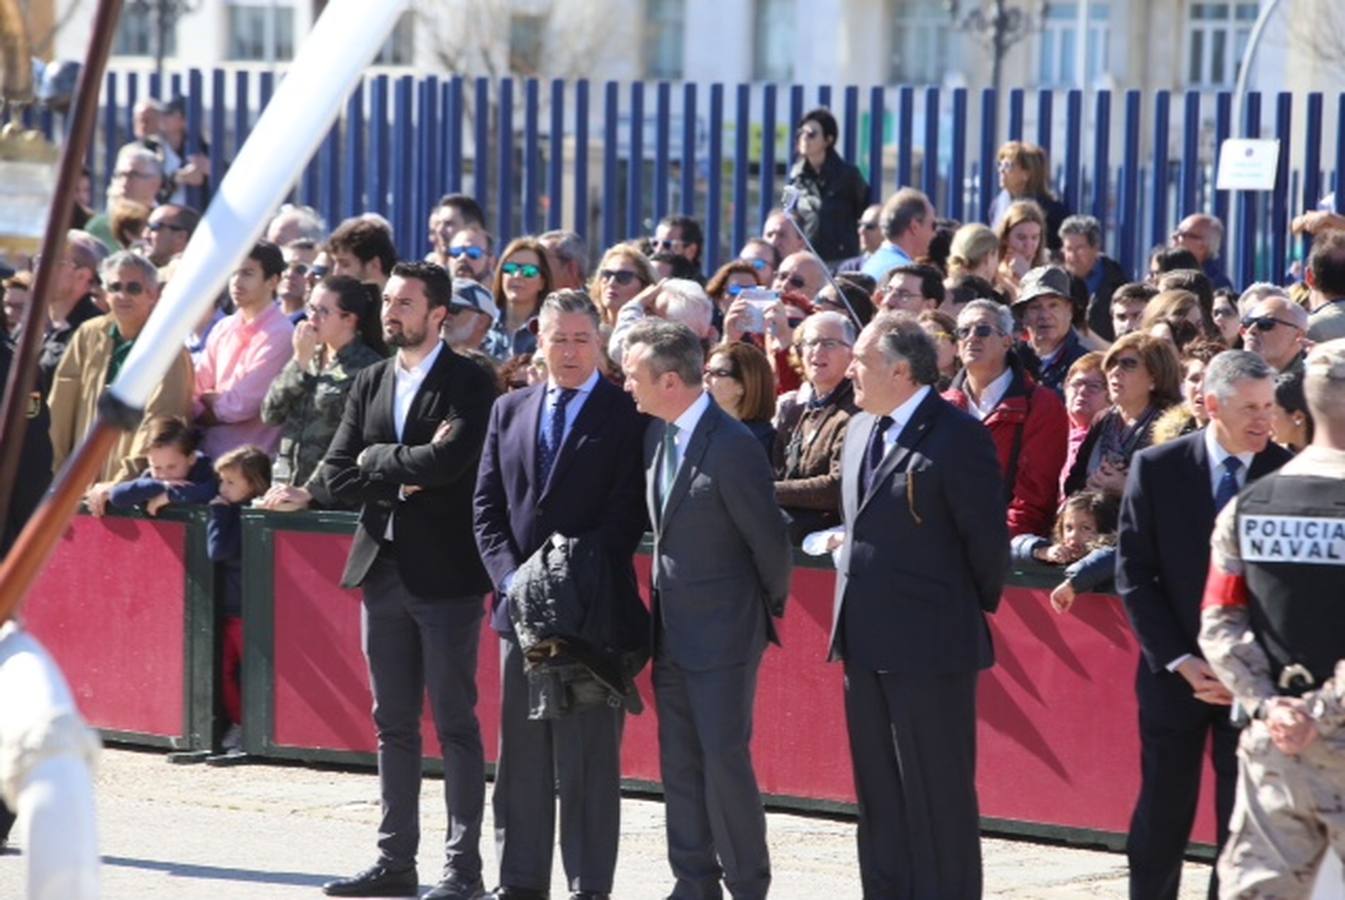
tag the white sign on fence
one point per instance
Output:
(1247, 164)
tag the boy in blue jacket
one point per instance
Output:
(178, 472)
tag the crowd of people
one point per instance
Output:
(322, 380)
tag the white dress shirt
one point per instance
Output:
(900, 416)
(571, 409)
(406, 383)
(985, 404)
(686, 423)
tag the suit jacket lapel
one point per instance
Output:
(856, 440)
(384, 397)
(1204, 494)
(911, 435)
(653, 459)
(590, 414)
(700, 439)
(530, 420)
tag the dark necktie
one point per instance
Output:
(873, 454)
(550, 439)
(670, 464)
(1228, 484)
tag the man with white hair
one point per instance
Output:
(674, 299)
(1026, 420)
(1276, 330)
(71, 303)
(1273, 631)
(137, 176)
(1203, 235)
(293, 222)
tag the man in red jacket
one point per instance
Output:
(1027, 420)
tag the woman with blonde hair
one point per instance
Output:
(623, 272)
(1021, 244)
(974, 251)
(1024, 174)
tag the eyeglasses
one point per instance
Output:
(1224, 312)
(527, 270)
(1126, 363)
(622, 277)
(669, 244)
(808, 134)
(317, 272)
(981, 331)
(757, 262)
(129, 288)
(159, 226)
(794, 281)
(318, 312)
(1266, 323)
(63, 261)
(903, 294)
(131, 173)
(1187, 236)
(868, 226)
(827, 344)
(472, 253)
(1087, 385)
(719, 372)
(297, 269)
(1004, 165)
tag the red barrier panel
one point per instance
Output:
(111, 606)
(1058, 742)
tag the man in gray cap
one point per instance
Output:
(470, 314)
(1047, 314)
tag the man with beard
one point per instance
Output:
(471, 254)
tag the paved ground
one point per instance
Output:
(189, 832)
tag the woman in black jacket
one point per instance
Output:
(832, 193)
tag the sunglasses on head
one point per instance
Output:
(472, 253)
(622, 277)
(129, 288)
(527, 270)
(1265, 323)
(981, 331)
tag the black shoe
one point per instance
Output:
(510, 893)
(589, 895)
(376, 881)
(453, 888)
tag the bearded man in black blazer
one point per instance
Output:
(1173, 493)
(406, 453)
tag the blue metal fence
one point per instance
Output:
(526, 154)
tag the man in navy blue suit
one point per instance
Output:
(564, 458)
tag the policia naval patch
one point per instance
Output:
(1292, 539)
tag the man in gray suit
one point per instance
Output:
(925, 554)
(721, 574)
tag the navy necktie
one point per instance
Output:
(873, 454)
(549, 444)
(1228, 484)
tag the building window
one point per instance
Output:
(663, 28)
(400, 47)
(525, 44)
(136, 31)
(920, 33)
(773, 47)
(1059, 52)
(261, 33)
(1216, 39)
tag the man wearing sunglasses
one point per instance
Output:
(294, 284)
(908, 227)
(170, 227)
(95, 356)
(471, 254)
(801, 273)
(870, 230)
(71, 303)
(1276, 330)
(681, 235)
(1203, 235)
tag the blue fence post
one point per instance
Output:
(331, 171)
(1162, 111)
(989, 181)
(404, 165)
(581, 211)
(795, 112)
(635, 165)
(742, 115)
(1130, 195)
(1016, 103)
(377, 200)
(1279, 199)
(175, 85)
(768, 137)
(481, 144)
(451, 123)
(1223, 130)
(688, 199)
(1073, 149)
(930, 164)
(876, 145)
(1190, 167)
(352, 164)
(1312, 162)
(218, 129)
(155, 86)
(1339, 187)
(662, 127)
(111, 134)
(905, 135)
(824, 95)
(714, 206)
(531, 154)
(555, 176)
(429, 180)
(242, 119)
(504, 184)
(1102, 161)
(609, 163)
(196, 125)
(1045, 116)
(132, 95)
(1246, 261)
(957, 171)
(850, 129)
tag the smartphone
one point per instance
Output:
(759, 300)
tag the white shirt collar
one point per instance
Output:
(552, 389)
(1218, 454)
(991, 395)
(902, 414)
(690, 417)
(420, 369)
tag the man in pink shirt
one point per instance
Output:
(244, 354)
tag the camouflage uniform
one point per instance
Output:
(307, 404)
(1289, 808)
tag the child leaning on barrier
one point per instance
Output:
(244, 475)
(178, 472)
(1083, 541)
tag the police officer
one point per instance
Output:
(1273, 630)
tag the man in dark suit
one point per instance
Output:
(1173, 493)
(560, 458)
(406, 454)
(923, 560)
(721, 574)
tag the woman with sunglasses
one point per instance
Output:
(1024, 174)
(832, 195)
(522, 279)
(623, 272)
(739, 378)
(726, 284)
(1143, 379)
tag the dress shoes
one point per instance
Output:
(454, 888)
(589, 895)
(376, 881)
(511, 893)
